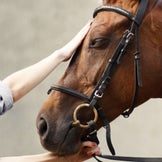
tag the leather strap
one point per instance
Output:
(131, 159)
(114, 9)
(69, 91)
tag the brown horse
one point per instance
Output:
(55, 119)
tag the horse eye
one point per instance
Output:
(99, 43)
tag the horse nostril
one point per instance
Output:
(42, 126)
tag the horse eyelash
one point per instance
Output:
(101, 40)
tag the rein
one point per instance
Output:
(91, 102)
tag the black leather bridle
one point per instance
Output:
(92, 101)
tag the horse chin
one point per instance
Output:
(67, 150)
(70, 145)
(64, 150)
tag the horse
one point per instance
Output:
(117, 67)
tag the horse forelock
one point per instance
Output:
(129, 5)
(106, 2)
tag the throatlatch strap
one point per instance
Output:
(106, 125)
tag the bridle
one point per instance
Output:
(92, 102)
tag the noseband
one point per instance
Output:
(91, 102)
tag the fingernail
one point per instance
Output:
(94, 144)
(98, 153)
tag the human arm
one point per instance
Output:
(87, 150)
(23, 81)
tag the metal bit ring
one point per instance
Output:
(76, 122)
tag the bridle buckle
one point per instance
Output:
(98, 95)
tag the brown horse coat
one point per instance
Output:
(86, 68)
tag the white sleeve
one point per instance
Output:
(6, 98)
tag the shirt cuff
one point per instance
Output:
(6, 98)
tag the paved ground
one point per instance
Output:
(29, 31)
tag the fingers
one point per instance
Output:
(93, 151)
(68, 50)
(81, 34)
(88, 149)
(89, 144)
(91, 148)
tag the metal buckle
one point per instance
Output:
(129, 36)
(98, 95)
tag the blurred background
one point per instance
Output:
(31, 30)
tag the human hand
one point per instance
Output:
(68, 50)
(88, 149)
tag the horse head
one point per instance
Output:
(112, 25)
